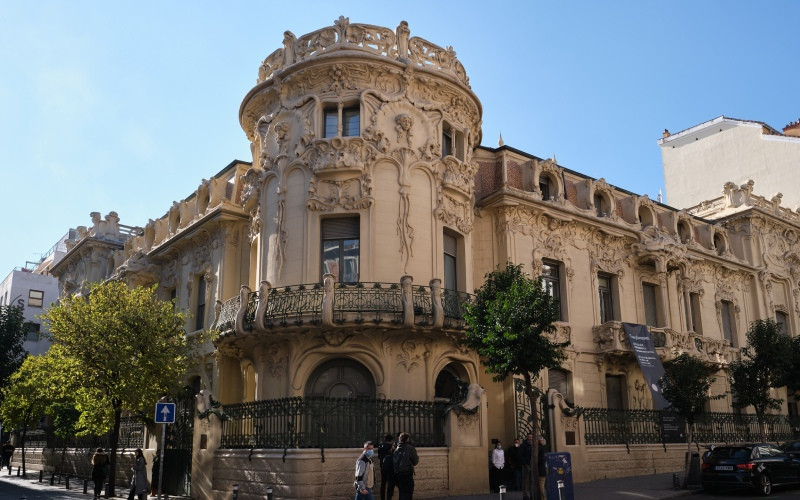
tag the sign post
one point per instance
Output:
(165, 414)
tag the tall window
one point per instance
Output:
(447, 143)
(726, 311)
(200, 312)
(650, 304)
(552, 283)
(782, 320)
(616, 392)
(450, 262)
(606, 297)
(544, 187)
(173, 297)
(341, 248)
(693, 313)
(33, 332)
(350, 121)
(598, 205)
(35, 298)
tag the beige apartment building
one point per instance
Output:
(335, 264)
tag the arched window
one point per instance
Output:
(719, 244)
(646, 217)
(684, 232)
(600, 205)
(341, 378)
(451, 384)
(560, 380)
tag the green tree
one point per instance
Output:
(764, 364)
(508, 326)
(40, 381)
(686, 385)
(792, 375)
(128, 348)
(12, 338)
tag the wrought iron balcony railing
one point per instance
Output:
(317, 422)
(330, 304)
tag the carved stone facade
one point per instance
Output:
(367, 180)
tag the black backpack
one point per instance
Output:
(385, 456)
(401, 460)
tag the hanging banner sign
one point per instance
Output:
(649, 362)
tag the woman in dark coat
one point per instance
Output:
(99, 471)
(139, 484)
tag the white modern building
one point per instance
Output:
(33, 288)
(700, 160)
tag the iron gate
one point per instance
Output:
(178, 448)
(522, 412)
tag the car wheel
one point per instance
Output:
(765, 484)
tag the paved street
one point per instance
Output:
(16, 488)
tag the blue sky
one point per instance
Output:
(126, 106)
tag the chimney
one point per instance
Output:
(793, 129)
(666, 133)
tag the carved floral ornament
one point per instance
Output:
(350, 194)
(454, 213)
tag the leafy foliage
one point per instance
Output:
(508, 326)
(12, 338)
(765, 363)
(792, 375)
(126, 349)
(685, 385)
(509, 322)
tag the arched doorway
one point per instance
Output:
(340, 395)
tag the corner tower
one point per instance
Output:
(362, 141)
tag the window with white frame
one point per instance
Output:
(650, 298)
(551, 282)
(606, 297)
(341, 121)
(726, 313)
(35, 298)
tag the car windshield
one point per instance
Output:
(738, 453)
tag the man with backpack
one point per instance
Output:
(365, 474)
(387, 467)
(404, 458)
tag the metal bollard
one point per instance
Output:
(108, 487)
(235, 492)
(67, 481)
(676, 482)
(41, 475)
(269, 492)
(52, 478)
(85, 486)
(502, 492)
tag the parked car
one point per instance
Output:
(792, 448)
(760, 466)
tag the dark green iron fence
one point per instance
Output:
(315, 422)
(605, 426)
(131, 436)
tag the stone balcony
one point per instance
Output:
(330, 304)
(611, 339)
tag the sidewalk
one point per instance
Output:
(653, 486)
(13, 488)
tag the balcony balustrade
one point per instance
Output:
(611, 339)
(334, 304)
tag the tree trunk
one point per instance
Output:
(687, 463)
(112, 476)
(535, 430)
(762, 428)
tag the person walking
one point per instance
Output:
(496, 467)
(7, 453)
(387, 469)
(139, 484)
(404, 459)
(365, 473)
(99, 471)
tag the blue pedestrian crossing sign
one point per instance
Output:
(165, 413)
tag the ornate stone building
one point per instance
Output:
(335, 264)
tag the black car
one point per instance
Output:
(791, 448)
(760, 466)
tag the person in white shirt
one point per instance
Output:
(497, 465)
(365, 473)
